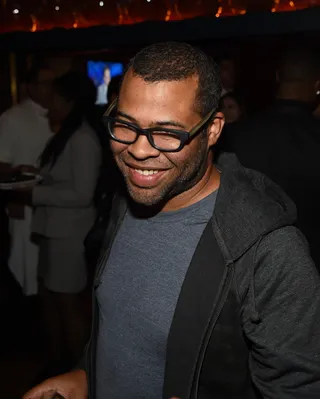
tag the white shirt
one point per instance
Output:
(24, 132)
(102, 93)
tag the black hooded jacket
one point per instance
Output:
(283, 142)
(247, 322)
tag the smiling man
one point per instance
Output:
(204, 288)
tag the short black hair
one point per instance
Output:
(299, 64)
(225, 58)
(175, 61)
(75, 86)
(79, 88)
(33, 72)
(114, 87)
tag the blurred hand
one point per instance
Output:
(28, 169)
(72, 385)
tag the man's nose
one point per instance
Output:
(142, 149)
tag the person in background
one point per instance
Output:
(112, 93)
(232, 106)
(114, 88)
(283, 141)
(107, 186)
(205, 289)
(316, 112)
(24, 132)
(102, 90)
(227, 75)
(64, 213)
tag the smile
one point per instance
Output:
(145, 178)
(146, 172)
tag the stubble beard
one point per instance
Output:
(193, 171)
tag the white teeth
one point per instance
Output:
(146, 172)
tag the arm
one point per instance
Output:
(85, 163)
(7, 140)
(285, 351)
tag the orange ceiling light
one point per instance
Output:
(35, 15)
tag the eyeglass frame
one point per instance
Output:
(184, 135)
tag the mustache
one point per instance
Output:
(147, 164)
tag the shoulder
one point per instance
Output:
(283, 239)
(11, 121)
(279, 259)
(283, 264)
(12, 114)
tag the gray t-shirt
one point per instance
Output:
(137, 297)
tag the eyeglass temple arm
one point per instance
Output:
(202, 122)
(111, 107)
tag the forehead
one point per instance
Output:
(175, 98)
(45, 75)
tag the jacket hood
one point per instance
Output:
(249, 205)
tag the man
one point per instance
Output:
(204, 288)
(283, 141)
(24, 132)
(316, 112)
(102, 91)
(227, 75)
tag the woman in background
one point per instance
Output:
(65, 212)
(233, 107)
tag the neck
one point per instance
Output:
(292, 92)
(207, 185)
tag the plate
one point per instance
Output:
(15, 184)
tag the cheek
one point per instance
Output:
(189, 156)
(117, 148)
(236, 111)
(57, 112)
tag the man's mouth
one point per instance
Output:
(147, 172)
(144, 178)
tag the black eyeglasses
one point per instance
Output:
(163, 139)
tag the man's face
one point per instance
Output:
(41, 90)
(231, 109)
(152, 176)
(227, 74)
(58, 110)
(106, 76)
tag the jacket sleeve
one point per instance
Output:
(85, 164)
(285, 331)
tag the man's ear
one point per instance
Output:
(215, 129)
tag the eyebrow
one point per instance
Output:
(157, 123)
